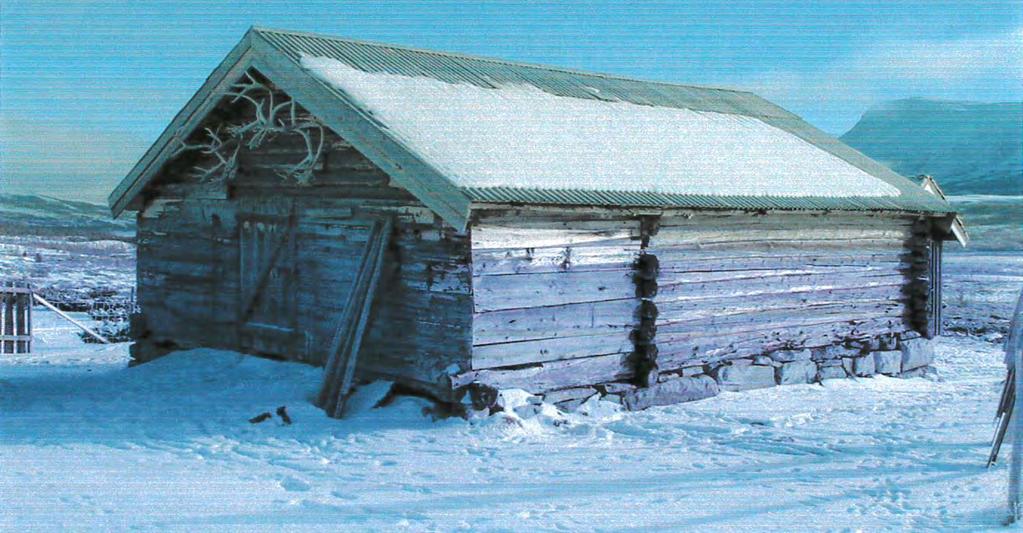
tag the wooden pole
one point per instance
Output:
(65, 316)
(1014, 355)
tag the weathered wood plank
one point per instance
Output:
(551, 288)
(777, 284)
(566, 320)
(552, 349)
(687, 309)
(584, 257)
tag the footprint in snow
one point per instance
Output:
(293, 484)
(344, 495)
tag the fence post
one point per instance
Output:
(15, 317)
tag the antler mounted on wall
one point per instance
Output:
(270, 120)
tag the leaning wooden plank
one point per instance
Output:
(1014, 357)
(65, 316)
(345, 361)
(351, 362)
(343, 331)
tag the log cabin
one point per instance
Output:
(562, 232)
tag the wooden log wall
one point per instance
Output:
(190, 265)
(734, 286)
(551, 287)
(557, 296)
(187, 273)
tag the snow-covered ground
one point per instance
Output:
(87, 444)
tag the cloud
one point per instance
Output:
(947, 62)
(986, 68)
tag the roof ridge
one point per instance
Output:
(489, 59)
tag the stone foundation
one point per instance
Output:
(889, 356)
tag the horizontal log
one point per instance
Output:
(695, 308)
(534, 290)
(783, 323)
(552, 349)
(784, 246)
(590, 318)
(689, 237)
(602, 317)
(539, 378)
(694, 261)
(586, 257)
(774, 285)
(668, 277)
(521, 235)
(780, 319)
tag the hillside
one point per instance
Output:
(970, 148)
(70, 251)
(25, 214)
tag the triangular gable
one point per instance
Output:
(328, 105)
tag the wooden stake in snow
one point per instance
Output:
(1014, 357)
(65, 316)
(1004, 414)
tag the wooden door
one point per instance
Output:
(267, 276)
(332, 244)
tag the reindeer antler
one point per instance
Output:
(265, 126)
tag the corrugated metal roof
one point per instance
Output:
(507, 195)
(278, 54)
(489, 73)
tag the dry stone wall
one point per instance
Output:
(888, 356)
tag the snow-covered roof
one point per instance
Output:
(520, 136)
(460, 131)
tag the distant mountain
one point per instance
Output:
(36, 215)
(969, 147)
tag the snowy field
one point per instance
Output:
(89, 444)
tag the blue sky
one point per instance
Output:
(86, 86)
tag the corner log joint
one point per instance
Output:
(647, 267)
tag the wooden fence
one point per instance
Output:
(15, 317)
